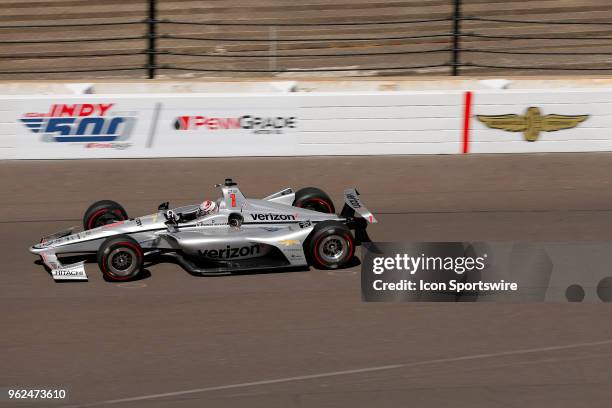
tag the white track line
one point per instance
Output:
(344, 372)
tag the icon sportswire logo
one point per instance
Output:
(88, 122)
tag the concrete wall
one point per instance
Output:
(437, 121)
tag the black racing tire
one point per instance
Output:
(120, 258)
(103, 212)
(312, 198)
(330, 245)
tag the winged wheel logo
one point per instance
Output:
(532, 122)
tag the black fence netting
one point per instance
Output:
(67, 39)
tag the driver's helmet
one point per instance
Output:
(207, 207)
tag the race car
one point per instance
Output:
(283, 230)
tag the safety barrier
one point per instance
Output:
(286, 124)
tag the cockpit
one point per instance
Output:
(192, 212)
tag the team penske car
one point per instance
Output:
(232, 233)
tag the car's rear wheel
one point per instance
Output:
(312, 198)
(120, 258)
(330, 246)
(103, 212)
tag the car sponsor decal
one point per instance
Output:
(95, 124)
(272, 217)
(289, 242)
(206, 223)
(231, 252)
(254, 124)
(353, 200)
(69, 272)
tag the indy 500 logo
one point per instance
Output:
(88, 122)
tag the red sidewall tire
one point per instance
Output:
(315, 199)
(112, 244)
(319, 201)
(322, 231)
(92, 220)
(108, 209)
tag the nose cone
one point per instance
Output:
(37, 249)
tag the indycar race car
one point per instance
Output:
(232, 233)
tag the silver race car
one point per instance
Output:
(232, 233)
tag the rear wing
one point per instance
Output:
(353, 204)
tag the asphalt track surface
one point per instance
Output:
(305, 339)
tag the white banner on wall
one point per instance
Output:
(76, 127)
(525, 121)
(241, 125)
(349, 123)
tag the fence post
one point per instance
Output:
(456, 37)
(272, 49)
(152, 37)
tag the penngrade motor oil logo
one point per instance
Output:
(532, 122)
(89, 123)
(254, 124)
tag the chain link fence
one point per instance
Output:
(66, 39)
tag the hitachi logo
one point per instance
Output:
(273, 217)
(68, 272)
(230, 252)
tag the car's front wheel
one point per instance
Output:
(330, 246)
(103, 212)
(120, 258)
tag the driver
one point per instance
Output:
(207, 207)
(191, 212)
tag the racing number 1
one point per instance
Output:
(233, 197)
